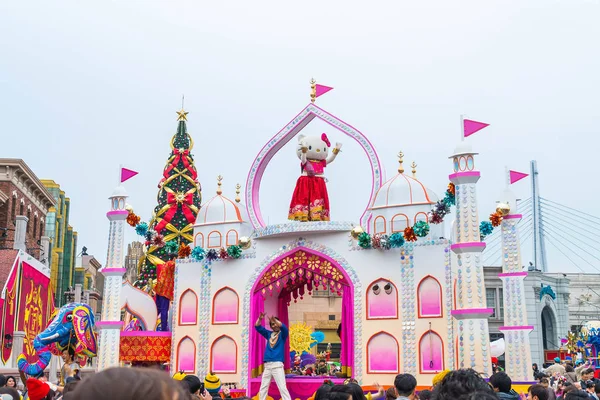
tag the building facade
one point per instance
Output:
(23, 194)
(547, 302)
(88, 282)
(63, 242)
(584, 301)
(135, 251)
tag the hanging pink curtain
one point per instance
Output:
(282, 314)
(347, 334)
(257, 342)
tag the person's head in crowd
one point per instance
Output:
(357, 392)
(459, 383)
(129, 383)
(11, 382)
(405, 385)
(425, 394)
(2, 380)
(340, 392)
(534, 366)
(569, 368)
(538, 392)
(390, 394)
(545, 382)
(556, 360)
(38, 390)
(323, 392)
(193, 383)
(587, 374)
(501, 382)
(9, 393)
(577, 395)
(487, 395)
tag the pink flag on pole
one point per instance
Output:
(127, 174)
(321, 90)
(516, 176)
(470, 127)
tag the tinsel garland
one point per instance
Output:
(198, 253)
(159, 240)
(376, 241)
(364, 240)
(141, 229)
(184, 251)
(495, 219)
(384, 242)
(150, 235)
(133, 219)
(223, 253)
(171, 247)
(212, 255)
(421, 228)
(396, 240)
(409, 234)
(485, 229)
(234, 251)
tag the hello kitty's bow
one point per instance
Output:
(325, 139)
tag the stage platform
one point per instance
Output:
(300, 387)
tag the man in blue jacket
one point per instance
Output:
(274, 356)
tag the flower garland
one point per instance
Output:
(422, 228)
(181, 250)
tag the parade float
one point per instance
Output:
(409, 299)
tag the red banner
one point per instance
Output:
(33, 310)
(145, 348)
(9, 311)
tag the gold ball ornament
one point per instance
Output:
(503, 209)
(129, 208)
(245, 242)
(356, 231)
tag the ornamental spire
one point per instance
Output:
(414, 169)
(400, 161)
(237, 193)
(219, 183)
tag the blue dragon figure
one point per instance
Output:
(72, 326)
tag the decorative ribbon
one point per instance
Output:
(179, 233)
(180, 156)
(172, 201)
(325, 139)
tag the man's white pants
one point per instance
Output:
(273, 370)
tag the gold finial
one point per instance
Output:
(400, 160)
(313, 90)
(219, 183)
(237, 193)
(414, 169)
(182, 115)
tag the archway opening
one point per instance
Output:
(297, 288)
(549, 329)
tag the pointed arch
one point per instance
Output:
(225, 307)
(223, 355)
(186, 355)
(382, 303)
(383, 354)
(188, 308)
(199, 240)
(214, 240)
(310, 112)
(399, 223)
(379, 224)
(429, 298)
(431, 353)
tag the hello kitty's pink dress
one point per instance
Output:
(310, 201)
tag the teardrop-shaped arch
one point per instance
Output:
(275, 144)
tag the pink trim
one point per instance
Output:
(113, 270)
(261, 161)
(147, 334)
(464, 174)
(513, 216)
(516, 328)
(467, 245)
(117, 212)
(472, 311)
(508, 274)
(109, 324)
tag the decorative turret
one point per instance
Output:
(471, 310)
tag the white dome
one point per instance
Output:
(403, 190)
(119, 192)
(218, 210)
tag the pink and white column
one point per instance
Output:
(471, 312)
(113, 271)
(516, 330)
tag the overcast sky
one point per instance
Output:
(86, 86)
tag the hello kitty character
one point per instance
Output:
(310, 201)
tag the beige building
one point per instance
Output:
(135, 251)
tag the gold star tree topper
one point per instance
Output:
(182, 115)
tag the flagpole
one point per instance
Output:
(506, 171)
(462, 127)
(120, 170)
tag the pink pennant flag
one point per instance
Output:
(516, 176)
(127, 174)
(470, 127)
(321, 90)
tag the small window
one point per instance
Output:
(429, 295)
(214, 240)
(382, 354)
(186, 355)
(199, 240)
(223, 355)
(431, 353)
(382, 300)
(225, 307)
(490, 297)
(379, 225)
(332, 317)
(421, 216)
(399, 223)
(188, 308)
(232, 238)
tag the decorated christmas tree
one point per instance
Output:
(172, 224)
